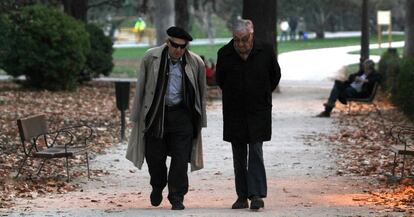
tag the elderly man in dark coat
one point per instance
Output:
(247, 72)
(168, 113)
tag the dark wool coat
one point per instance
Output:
(247, 87)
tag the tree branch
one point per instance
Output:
(113, 3)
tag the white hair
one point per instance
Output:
(243, 25)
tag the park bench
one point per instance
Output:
(38, 142)
(403, 138)
(368, 100)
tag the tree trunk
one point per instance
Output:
(263, 15)
(321, 21)
(409, 30)
(76, 8)
(210, 29)
(203, 13)
(320, 34)
(364, 33)
(164, 13)
(182, 16)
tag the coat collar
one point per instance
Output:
(229, 48)
(187, 62)
(158, 51)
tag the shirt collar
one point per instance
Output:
(169, 59)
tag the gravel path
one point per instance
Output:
(301, 176)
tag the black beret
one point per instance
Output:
(178, 32)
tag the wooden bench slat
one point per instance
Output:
(399, 149)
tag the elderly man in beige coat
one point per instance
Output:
(168, 113)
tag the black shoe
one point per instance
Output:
(330, 105)
(177, 205)
(256, 203)
(241, 203)
(156, 196)
(324, 114)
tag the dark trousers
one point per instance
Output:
(249, 170)
(177, 143)
(340, 89)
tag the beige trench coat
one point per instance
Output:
(144, 95)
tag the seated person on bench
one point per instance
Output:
(358, 85)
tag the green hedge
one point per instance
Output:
(398, 80)
(48, 47)
(99, 59)
(5, 29)
(388, 67)
(404, 89)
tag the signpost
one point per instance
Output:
(384, 18)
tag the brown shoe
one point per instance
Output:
(241, 203)
(324, 114)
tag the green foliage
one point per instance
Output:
(99, 59)
(48, 47)
(388, 67)
(404, 96)
(6, 6)
(5, 28)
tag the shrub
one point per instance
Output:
(404, 96)
(388, 67)
(48, 47)
(5, 28)
(99, 59)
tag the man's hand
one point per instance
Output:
(359, 79)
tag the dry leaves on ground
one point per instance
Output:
(92, 104)
(362, 144)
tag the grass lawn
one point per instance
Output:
(210, 51)
(380, 51)
(127, 60)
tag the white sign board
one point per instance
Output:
(384, 17)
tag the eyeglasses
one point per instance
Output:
(175, 45)
(243, 40)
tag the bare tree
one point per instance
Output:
(203, 12)
(263, 14)
(79, 8)
(7, 6)
(409, 30)
(164, 12)
(228, 10)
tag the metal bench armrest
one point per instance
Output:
(55, 135)
(80, 126)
